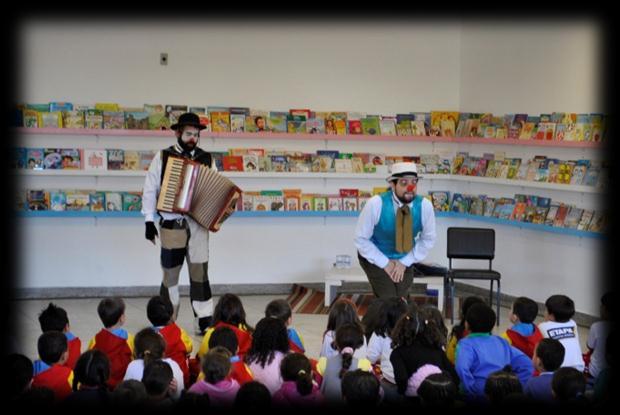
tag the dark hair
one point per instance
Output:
(156, 377)
(568, 383)
(149, 345)
(525, 309)
(551, 354)
(19, 373)
(361, 389)
(607, 303)
(51, 345)
(459, 330)
(91, 369)
(225, 337)
(296, 367)
(216, 364)
(253, 395)
(279, 309)
(229, 309)
(341, 312)
(480, 318)
(269, 337)
(53, 318)
(159, 311)
(348, 335)
(435, 322)
(501, 383)
(413, 327)
(562, 308)
(110, 310)
(387, 315)
(129, 393)
(438, 389)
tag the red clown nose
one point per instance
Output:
(410, 188)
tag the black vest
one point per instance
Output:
(200, 156)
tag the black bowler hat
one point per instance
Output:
(188, 118)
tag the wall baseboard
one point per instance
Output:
(462, 290)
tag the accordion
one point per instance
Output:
(193, 188)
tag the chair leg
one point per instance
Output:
(498, 295)
(452, 302)
(491, 295)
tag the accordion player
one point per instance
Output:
(203, 193)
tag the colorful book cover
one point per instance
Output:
(315, 126)
(173, 112)
(237, 123)
(277, 122)
(113, 201)
(320, 203)
(220, 121)
(73, 119)
(131, 160)
(113, 120)
(71, 158)
(404, 124)
(58, 200)
(93, 118)
(97, 201)
(116, 159)
(137, 120)
(232, 163)
(460, 203)
(52, 159)
(158, 121)
(387, 126)
(78, 200)
(30, 118)
(37, 200)
(146, 157)
(441, 200)
(349, 204)
(34, 158)
(334, 203)
(132, 201)
(50, 119)
(296, 124)
(292, 199)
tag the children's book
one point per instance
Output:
(573, 217)
(579, 172)
(34, 158)
(116, 159)
(404, 124)
(131, 160)
(232, 163)
(71, 158)
(97, 201)
(296, 124)
(334, 203)
(488, 206)
(277, 122)
(78, 200)
(440, 200)
(460, 203)
(551, 213)
(307, 201)
(371, 126)
(58, 200)
(343, 166)
(320, 203)
(292, 199)
(132, 201)
(250, 162)
(388, 125)
(52, 159)
(560, 216)
(73, 119)
(220, 121)
(38, 200)
(237, 122)
(30, 118)
(93, 118)
(137, 120)
(146, 157)
(586, 218)
(50, 119)
(173, 112)
(315, 126)
(598, 222)
(113, 120)
(279, 163)
(113, 201)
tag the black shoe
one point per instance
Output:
(203, 324)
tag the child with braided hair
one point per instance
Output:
(297, 388)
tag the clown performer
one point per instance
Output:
(395, 230)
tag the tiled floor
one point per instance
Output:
(85, 323)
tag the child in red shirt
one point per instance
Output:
(50, 372)
(55, 318)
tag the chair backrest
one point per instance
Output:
(471, 243)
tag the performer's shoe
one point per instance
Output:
(201, 324)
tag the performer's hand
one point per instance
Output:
(150, 232)
(389, 268)
(172, 387)
(398, 272)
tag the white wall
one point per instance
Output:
(377, 69)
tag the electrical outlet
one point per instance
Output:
(163, 58)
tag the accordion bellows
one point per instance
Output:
(193, 188)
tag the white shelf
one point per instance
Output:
(347, 176)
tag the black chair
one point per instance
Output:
(477, 244)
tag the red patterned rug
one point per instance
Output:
(304, 300)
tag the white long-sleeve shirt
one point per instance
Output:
(368, 219)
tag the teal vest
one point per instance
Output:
(384, 233)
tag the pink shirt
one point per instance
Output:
(288, 395)
(269, 375)
(222, 393)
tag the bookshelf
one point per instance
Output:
(312, 137)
